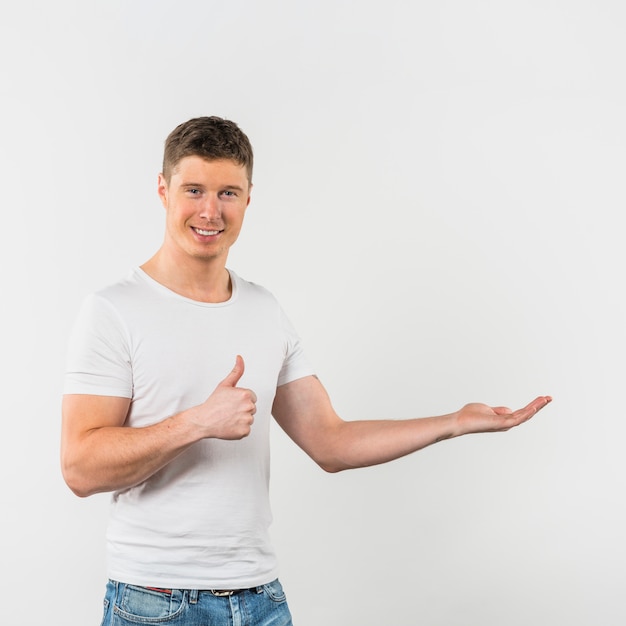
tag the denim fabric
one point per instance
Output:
(126, 605)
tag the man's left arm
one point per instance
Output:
(304, 411)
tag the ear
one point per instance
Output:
(249, 196)
(162, 189)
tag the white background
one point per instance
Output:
(438, 205)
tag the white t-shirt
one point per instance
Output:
(202, 521)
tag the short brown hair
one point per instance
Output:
(210, 138)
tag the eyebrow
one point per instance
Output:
(229, 187)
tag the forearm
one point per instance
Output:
(111, 458)
(364, 443)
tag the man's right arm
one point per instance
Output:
(99, 453)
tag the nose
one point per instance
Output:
(211, 209)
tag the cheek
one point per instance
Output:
(175, 222)
(177, 214)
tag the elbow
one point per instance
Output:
(331, 465)
(75, 480)
(333, 456)
(76, 486)
(79, 492)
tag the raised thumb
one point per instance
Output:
(234, 375)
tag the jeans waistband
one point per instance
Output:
(221, 593)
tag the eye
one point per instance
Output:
(228, 193)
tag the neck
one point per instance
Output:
(203, 280)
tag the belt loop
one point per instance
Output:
(193, 596)
(119, 587)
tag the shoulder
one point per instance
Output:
(249, 289)
(135, 294)
(105, 308)
(136, 281)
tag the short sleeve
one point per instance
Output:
(296, 365)
(99, 354)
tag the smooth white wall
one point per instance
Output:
(437, 204)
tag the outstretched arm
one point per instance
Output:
(304, 411)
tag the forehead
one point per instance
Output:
(196, 169)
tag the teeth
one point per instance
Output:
(206, 233)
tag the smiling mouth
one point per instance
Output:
(206, 233)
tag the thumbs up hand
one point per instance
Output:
(228, 413)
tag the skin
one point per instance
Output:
(210, 196)
(205, 204)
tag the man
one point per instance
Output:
(173, 374)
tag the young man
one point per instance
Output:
(173, 375)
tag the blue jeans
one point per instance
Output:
(260, 606)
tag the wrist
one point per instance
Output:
(185, 426)
(455, 427)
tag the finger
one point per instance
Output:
(538, 403)
(532, 407)
(253, 401)
(235, 374)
